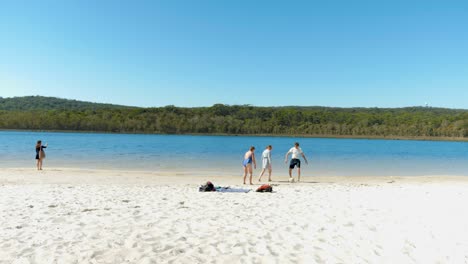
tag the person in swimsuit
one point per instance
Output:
(266, 163)
(295, 161)
(40, 154)
(249, 158)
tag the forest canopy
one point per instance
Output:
(48, 113)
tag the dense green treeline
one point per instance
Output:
(49, 103)
(223, 119)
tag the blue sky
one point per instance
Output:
(269, 53)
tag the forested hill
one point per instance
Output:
(60, 114)
(49, 103)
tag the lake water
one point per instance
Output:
(222, 155)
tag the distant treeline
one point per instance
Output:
(41, 113)
(50, 103)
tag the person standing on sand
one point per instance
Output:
(249, 158)
(266, 163)
(295, 161)
(40, 154)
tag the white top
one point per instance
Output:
(267, 154)
(296, 152)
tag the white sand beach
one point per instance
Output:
(90, 216)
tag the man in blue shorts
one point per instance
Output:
(295, 161)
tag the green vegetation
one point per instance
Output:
(50, 103)
(44, 113)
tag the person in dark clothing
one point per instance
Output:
(40, 154)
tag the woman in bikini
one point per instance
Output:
(249, 158)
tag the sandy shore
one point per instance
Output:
(88, 216)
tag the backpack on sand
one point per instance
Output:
(265, 188)
(208, 187)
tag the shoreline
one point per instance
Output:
(409, 138)
(24, 175)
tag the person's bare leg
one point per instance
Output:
(290, 175)
(298, 174)
(245, 173)
(37, 164)
(261, 174)
(40, 164)
(269, 174)
(250, 171)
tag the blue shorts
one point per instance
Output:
(295, 162)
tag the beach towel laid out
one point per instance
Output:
(209, 187)
(231, 190)
(265, 188)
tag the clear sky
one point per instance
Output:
(198, 53)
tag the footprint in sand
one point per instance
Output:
(318, 248)
(409, 243)
(321, 230)
(237, 250)
(88, 210)
(319, 259)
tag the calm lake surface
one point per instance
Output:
(222, 155)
